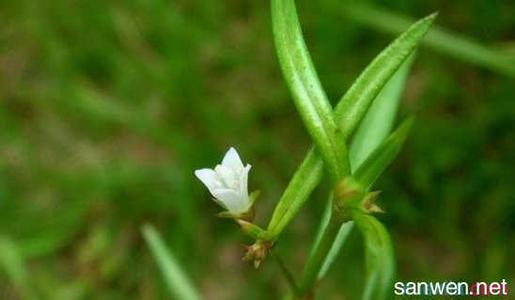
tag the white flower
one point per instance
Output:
(228, 183)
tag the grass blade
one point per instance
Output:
(439, 39)
(380, 262)
(355, 103)
(383, 155)
(176, 280)
(308, 94)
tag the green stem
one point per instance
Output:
(317, 259)
(287, 274)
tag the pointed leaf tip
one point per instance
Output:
(383, 155)
(403, 131)
(355, 103)
(432, 16)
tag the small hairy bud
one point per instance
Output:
(257, 252)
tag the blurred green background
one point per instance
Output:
(107, 107)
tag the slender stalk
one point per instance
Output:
(287, 274)
(316, 260)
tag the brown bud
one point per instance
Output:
(257, 252)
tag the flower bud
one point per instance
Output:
(257, 252)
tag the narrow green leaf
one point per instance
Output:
(380, 261)
(312, 272)
(383, 155)
(378, 121)
(175, 278)
(324, 221)
(304, 181)
(338, 243)
(354, 104)
(319, 252)
(308, 94)
(441, 40)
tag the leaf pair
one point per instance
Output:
(368, 160)
(383, 154)
(349, 112)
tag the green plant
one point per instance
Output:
(352, 146)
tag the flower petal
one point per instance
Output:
(244, 176)
(232, 160)
(229, 177)
(209, 178)
(231, 200)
